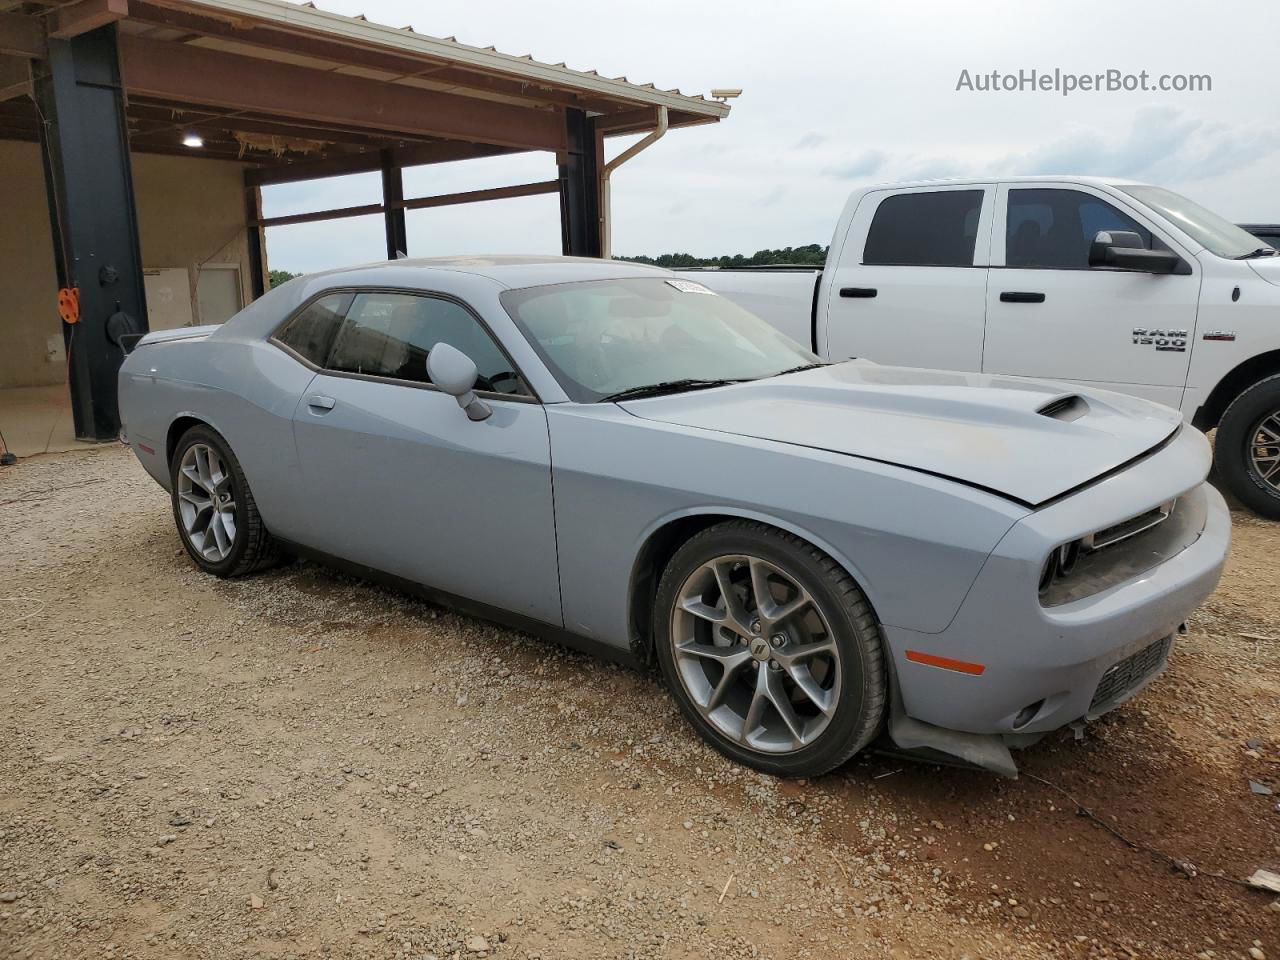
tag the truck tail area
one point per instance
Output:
(784, 297)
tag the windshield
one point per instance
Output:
(603, 337)
(1217, 234)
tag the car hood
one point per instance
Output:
(1027, 440)
(1268, 268)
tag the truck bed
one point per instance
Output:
(782, 296)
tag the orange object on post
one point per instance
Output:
(69, 304)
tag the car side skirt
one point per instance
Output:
(473, 608)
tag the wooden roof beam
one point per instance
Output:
(21, 36)
(15, 78)
(77, 18)
(191, 74)
(255, 34)
(445, 152)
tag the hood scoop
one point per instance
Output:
(1067, 409)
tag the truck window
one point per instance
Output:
(932, 229)
(1052, 229)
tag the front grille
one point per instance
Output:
(1130, 672)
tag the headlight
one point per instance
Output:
(1107, 556)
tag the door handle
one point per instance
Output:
(858, 293)
(1021, 296)
(320, 403)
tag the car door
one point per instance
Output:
(910, 282)
(1051, 315)
(397, 478)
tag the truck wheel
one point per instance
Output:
(770, 649)
(1247, 450)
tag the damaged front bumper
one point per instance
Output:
(1038, 669)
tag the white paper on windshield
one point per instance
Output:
(688, 286)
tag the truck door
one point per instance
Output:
(909, 285)
(1051, 315)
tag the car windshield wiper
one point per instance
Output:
(1260, 252)
(803, 366)
(666, 386)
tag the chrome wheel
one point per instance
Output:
(755, 654)
(1264, 450)
(206, 503)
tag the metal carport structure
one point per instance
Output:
(297, 93)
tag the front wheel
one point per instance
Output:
(1247, 448)
(770, 649)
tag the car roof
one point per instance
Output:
(513, 271)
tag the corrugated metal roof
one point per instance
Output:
(309, 18)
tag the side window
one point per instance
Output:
(310, 334)
(390, 335)
(936, 229)
(1053, 229)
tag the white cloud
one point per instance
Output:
(814, 121)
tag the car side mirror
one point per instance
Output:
(455, 373)
(1123, 250)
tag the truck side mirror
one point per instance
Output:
(1123, 250)
(455, 373)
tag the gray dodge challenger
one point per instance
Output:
(613, 456)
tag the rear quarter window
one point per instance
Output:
(310, 334)
(930, 229)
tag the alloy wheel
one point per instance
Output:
(755, 654)
(1264, 450)
(206, 503)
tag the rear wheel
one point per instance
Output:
(214, 509)
(770, 649)
(1247, 448)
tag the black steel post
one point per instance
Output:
(85, 147)
(254, 234)
(580, 188)
(392, 194)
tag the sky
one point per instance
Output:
(836, 96)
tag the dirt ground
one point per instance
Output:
(303, 765)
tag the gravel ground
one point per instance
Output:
(304, 765)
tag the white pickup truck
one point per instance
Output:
(1109, 283)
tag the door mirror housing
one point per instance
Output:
(1123, 250)
(455, 373)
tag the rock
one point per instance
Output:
(1261, 789)
(256, 902)
(477, 944)
(1098, 897)
(9, 896)
(1021, 912)
(1257, 954)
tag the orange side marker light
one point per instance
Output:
(946, 663)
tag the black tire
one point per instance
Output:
(253, 547)
(860, 708)
(1234, 447)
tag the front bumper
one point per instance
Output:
(1045, 667)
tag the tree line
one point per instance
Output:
(811, 254)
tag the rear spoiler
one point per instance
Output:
(168, 336)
